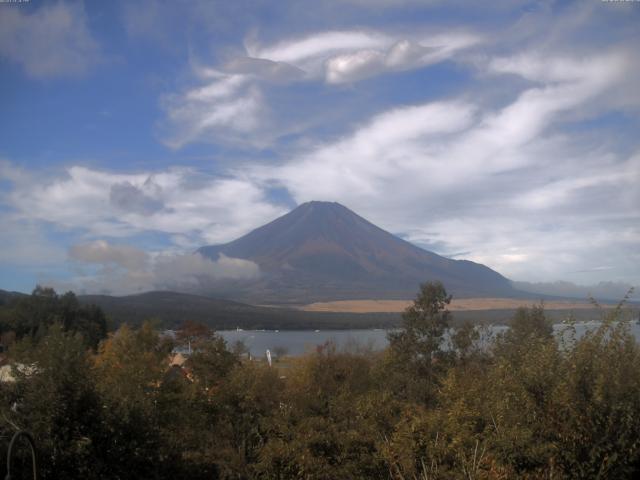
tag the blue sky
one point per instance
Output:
(132, 133)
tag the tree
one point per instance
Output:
(596, 409)
(193, 334)
(240, 349)
(129, 369)
(415, 349)
(55, 399)
(247, 400)
(326, 425)
(464, 339)
(211, 361)
(33, 315)
(528, 323)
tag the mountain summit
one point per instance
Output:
(324, 251)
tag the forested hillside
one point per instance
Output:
(170, 309)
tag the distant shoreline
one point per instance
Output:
(457, 305)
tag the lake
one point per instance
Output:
(297, 342)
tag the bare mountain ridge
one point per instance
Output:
(324, 251)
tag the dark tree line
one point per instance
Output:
(32, 316)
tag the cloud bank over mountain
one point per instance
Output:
(121, 269)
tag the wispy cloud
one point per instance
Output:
(502, 183)
(401, 55)
(227, 103)
(53, 40)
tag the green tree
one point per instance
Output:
(416, 353)
(55, 399)
(595, 420)
(245, 405)
(211, 361)
(326, 426)
(33, 315)
(465, 340)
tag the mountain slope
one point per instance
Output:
(7, 297)
(323, 250)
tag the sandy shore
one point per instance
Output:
(370, 306)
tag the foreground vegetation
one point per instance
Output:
(520, 405)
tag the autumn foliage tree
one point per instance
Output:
(536, 401)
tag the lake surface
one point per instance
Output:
(297, 342)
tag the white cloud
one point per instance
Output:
(278, 72)
(318, 46)
(402, 55)
(537, 247)
(349, 56)
(227, 103)
(354, 65)
(124, 269)
(200, 209)
(101, 252)
(52, 40)
(362, 164)
(196, 270)
(504, 184)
